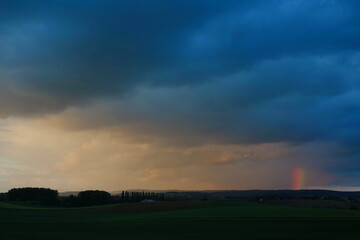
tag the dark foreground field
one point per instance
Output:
(179, 220)
(313, 203)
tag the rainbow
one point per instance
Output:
(298, 178)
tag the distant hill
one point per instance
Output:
(267, 193)
(144, 190)
(243, 193)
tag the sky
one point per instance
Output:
(182, 94)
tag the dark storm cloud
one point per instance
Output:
(280, 100)
(77, 51)
(189, 73)
(235, 72)
(80, 50)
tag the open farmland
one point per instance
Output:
(182, 220)
(313, 203)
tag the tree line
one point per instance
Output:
(36, 195)
(47, 196)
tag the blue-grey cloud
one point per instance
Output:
(78, 51)
(234, 72)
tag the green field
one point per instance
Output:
(213, 220)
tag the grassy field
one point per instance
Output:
(209, 220)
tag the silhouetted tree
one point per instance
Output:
(94, 197)
(71, 201)
(2, 196)
(38, 195)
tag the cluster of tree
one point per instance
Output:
(87, 198)
(35, 195)
(138, 196)
(48, 196)
(96, 197)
